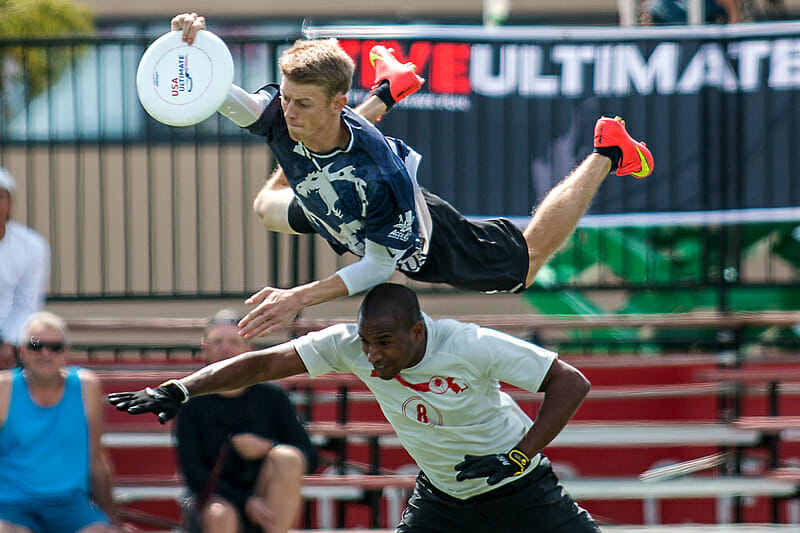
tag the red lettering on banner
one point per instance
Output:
(365, 65)
(444, 65)
(352, 48)
(450, 69)
(419, 53)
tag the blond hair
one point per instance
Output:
(322, 63)
(46, 319)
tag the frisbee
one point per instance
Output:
(182, 85)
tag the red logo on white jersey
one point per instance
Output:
(436, 385)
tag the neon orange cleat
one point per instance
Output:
(403, 81)
(634, 159)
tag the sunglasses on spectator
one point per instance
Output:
(38, 346)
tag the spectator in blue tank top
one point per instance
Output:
(54, 475)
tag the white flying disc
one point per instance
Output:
(181, 85)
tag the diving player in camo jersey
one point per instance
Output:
(361, 192)
(356, 188)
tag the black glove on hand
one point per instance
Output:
(164, 400)
(496, 467)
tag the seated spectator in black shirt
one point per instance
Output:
(243, 452)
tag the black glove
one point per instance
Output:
(496, 467)
(164, 400)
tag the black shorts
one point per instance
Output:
(486, 256)
(536, 503)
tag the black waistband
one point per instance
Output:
(500, 492)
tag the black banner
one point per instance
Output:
(506, 113)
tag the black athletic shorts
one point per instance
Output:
(536, 503)
(487, 256)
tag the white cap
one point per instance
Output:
(7, 180)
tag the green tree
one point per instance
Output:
(26, 71)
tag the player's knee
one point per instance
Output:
(217, 514)
(286, 460)
(272, 207)
(260, 204)
(99, 528)
(8, 527)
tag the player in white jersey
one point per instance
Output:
(438, 384)
(357, 189)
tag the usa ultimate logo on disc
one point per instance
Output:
(182, 85)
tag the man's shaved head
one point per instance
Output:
(391, 299)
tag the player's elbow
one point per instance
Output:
(576, 382)
(567, 382)
(583, 386)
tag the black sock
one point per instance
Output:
(383, 92)
(611, 152)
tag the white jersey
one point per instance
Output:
(450, 403)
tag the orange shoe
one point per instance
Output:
(632, 156)
(402, 79)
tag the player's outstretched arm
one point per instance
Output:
(234, 373)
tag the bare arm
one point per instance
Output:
(99, 469)
(732, 10)
(558, 214)
(245, 370)
(5, 395)
(371, 109)
(564, 389)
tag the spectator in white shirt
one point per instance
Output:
(24, 273)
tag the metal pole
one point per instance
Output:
(627, 12)
(697, 12)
